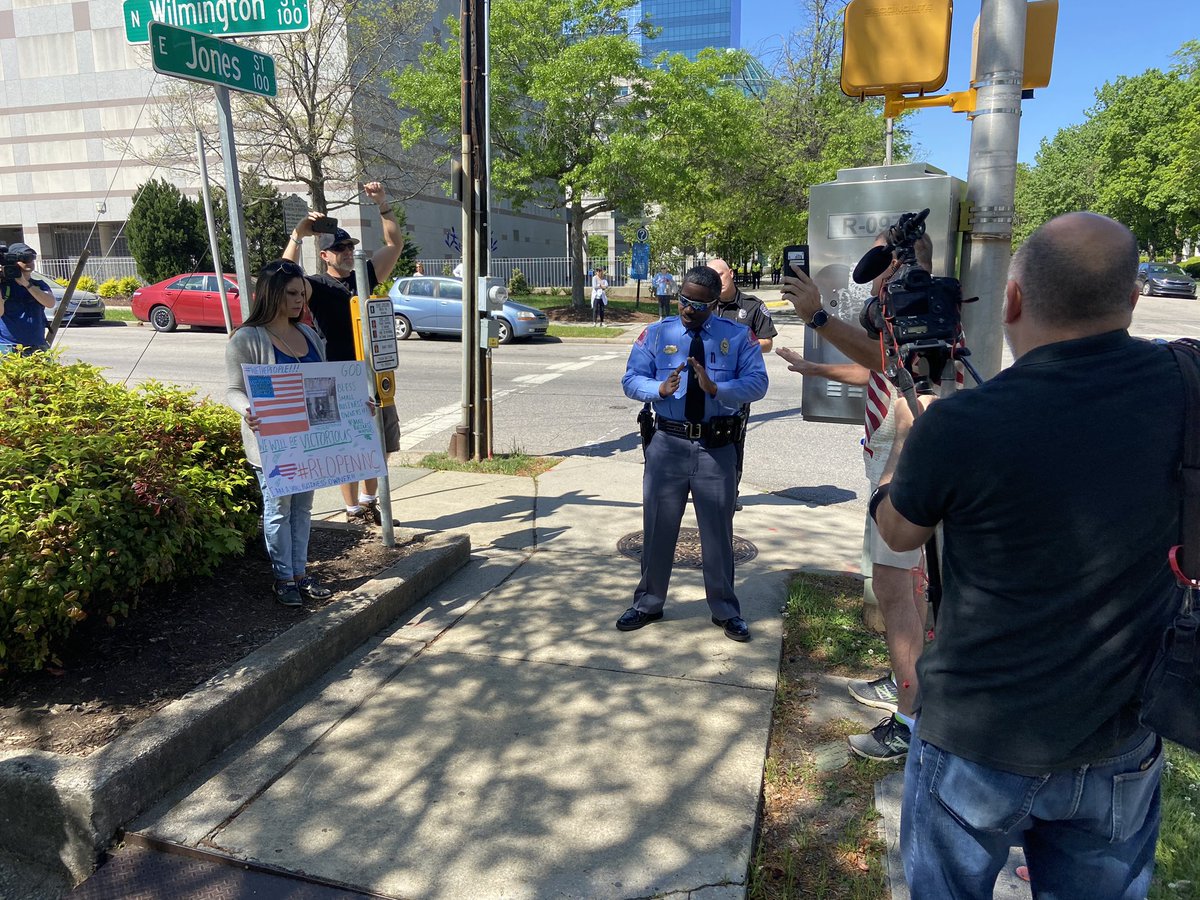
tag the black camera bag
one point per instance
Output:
(1171, 698)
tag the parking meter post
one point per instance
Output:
(364, 324)
(213, 247)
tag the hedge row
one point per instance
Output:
(104, 490)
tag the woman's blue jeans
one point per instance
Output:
(1089, 833)
(287, 523)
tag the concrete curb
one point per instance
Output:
(59, 811)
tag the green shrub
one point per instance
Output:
(61, 282)
(1192, 266)
(517, 285)
(109, 289)
(104, 490)
(128, 285)
(87, 283)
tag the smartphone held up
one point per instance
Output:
(795, 259)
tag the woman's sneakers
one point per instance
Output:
(294, 593)
(287, 593)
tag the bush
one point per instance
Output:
(517, 285)
(1192, 266)
(128, 285)
(109, 289)
(87, 283)
(104, 490)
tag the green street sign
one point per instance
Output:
(198, 57)
(225, 18)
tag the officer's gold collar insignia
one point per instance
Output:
(725, 346)
(670, 348)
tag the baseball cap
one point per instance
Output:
(19, 249)
(339, 236)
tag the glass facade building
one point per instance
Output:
(688, 26)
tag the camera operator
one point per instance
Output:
(1057, 487)
(891, 572)
(23, 300)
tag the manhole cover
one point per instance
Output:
(687, 548)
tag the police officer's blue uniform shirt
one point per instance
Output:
(732, 358)
(24, 319)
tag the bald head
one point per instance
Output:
(1077, 269)
(725, 273)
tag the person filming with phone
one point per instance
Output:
(329, 301)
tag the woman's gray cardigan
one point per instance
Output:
(252, 345)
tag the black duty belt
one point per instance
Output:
(716, 432)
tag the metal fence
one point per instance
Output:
(99, 267)
(539, 272)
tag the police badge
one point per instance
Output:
(725, 345)
(670, 348)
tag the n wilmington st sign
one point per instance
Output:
(217, 17)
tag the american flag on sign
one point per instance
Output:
(285, 470)
(278, 400)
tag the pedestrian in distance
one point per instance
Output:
(599, 296)
(664, 287)
(273, 335)
(1055, 585)
(23, 304)
(748, 310)
(697, 370)
(329, 302)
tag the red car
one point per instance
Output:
(190, 299)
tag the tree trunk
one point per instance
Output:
(575, 239)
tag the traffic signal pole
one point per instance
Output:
(991, 177)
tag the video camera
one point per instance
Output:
(10, 271)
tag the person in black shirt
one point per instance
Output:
(329, 301)
(748, 310)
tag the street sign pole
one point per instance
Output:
(233, 197)
(206, 195)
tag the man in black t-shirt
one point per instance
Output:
(329, 301)
(1056, 486)
(747, 310)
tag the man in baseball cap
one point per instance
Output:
(23, 301)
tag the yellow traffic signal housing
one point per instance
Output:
(895, 46)
(385, 382)
(1041, 23)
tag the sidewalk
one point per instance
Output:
(507, 740)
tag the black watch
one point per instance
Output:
(820, 317)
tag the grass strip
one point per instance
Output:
(515, 463)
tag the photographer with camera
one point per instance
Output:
(1057, 486)
(892, 573)
(23, 300)
(329, 301)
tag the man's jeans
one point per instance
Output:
(1088, 832)
(287, 523)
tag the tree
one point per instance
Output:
(166, 231)
(332, 122)
(1063, 179)
(578, 123)
(262, 220)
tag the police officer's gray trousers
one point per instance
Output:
(675, 466)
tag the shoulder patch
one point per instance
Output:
(642, 337)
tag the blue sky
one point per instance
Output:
(1097, 40)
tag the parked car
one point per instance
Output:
(1158, 279)
(85, 309)
(190, 299)
(428, 305)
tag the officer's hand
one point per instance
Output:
(803, 294)
(701, 375)
(671, 385)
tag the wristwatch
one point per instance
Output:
(820, 317)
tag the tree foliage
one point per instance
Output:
(1136, 158)
(578, 122)
(262, 220)
(165, 231)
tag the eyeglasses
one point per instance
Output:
(286, 266)
(341, 248)
(697, 305)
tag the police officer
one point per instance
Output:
(750, 311)
(698, 370)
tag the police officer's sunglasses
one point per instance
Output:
(697, 305)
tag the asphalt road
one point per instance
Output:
(562, 397)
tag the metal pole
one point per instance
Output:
(364, 323)
(213, 247)
(462, 443)
(233, 195)
(887, 149)
(992, 175)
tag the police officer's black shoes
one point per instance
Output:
(633, 619)
(736, 628)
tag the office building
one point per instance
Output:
(689, 26)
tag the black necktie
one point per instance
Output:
(693, 402)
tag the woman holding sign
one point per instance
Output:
(273, 335)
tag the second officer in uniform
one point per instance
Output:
(698, 370)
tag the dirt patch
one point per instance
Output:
(179, 635)
(614, 315)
